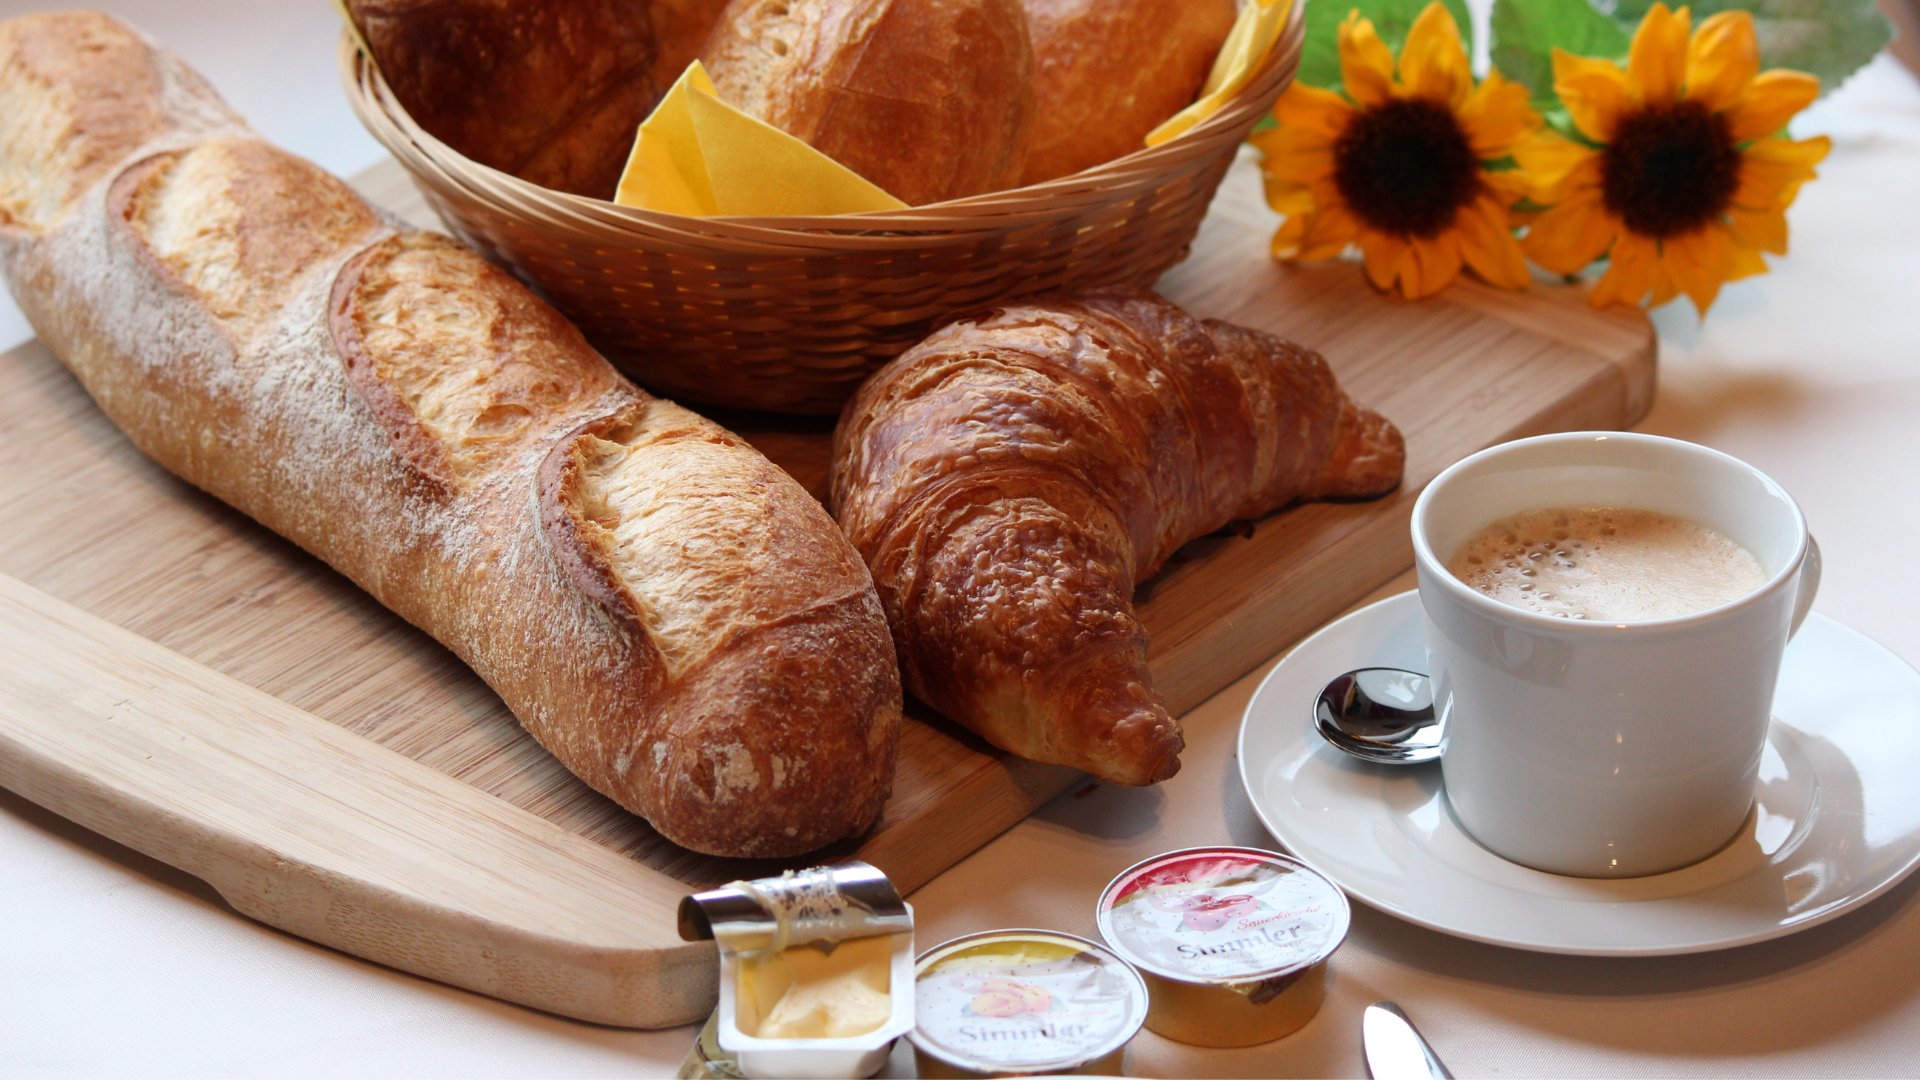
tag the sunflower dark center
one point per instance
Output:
(1406, 167)
(1670, 169)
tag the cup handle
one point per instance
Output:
(1809, 584)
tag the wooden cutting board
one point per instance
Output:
(194, 687)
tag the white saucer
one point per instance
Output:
(1836, 823)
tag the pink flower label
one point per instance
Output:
(1009, 997)
(1222, 915)
(1024, 1000)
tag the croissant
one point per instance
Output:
(1013, 477)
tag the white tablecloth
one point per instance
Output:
(111, 964)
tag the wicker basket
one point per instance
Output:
(789, 314)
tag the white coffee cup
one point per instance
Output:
(1594, 748)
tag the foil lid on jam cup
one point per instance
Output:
(1233, 941)
(1023, 1002)
(755, 921)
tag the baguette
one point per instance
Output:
(662, 607)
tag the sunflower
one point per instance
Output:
(1685, 175)
(1400, 165)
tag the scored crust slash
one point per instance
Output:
(665, 610)
(668, 612)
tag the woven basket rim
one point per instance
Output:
(438, 164)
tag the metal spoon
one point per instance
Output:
(1395, 1049)
(1381, 714)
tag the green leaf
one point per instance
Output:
(1525, 33)
(1828, 38)
(1629, 12)
(1320, 52)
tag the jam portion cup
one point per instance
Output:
(1023, 1002)
(1233, 942)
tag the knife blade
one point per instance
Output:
(1394, 1049)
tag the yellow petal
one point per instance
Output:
(1436, 262)
(1699, 262)
(1388, 258)
(1803, 152)
(1433, 63)
(1330, 232)
(1552, 164)
(1747, 262)
(1288, 197)
(1309, 108)
(1814, 153)
(1664, 287)
(1487, 244)
(1722, 59)
(1567, 237)
(1302, 167)
(1772, 170)
(1657, 59)
(1321, 253)
(1366, 65)
(1496, 116)
(1507, 187)
(1595, 93)
(1549, 155)
(1762, 229)
(1281, 141)
(1770, 102)
(1633, 266)
(1286, 239)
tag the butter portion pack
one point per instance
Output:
(816, 970)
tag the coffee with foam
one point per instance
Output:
(1607, 564)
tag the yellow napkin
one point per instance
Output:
(1253, 36)
(698, 156)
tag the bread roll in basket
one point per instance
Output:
(789, 314)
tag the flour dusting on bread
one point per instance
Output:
(406, 412)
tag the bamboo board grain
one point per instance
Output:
(310, 828)
(86, 519)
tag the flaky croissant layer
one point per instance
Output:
(1011, 479)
